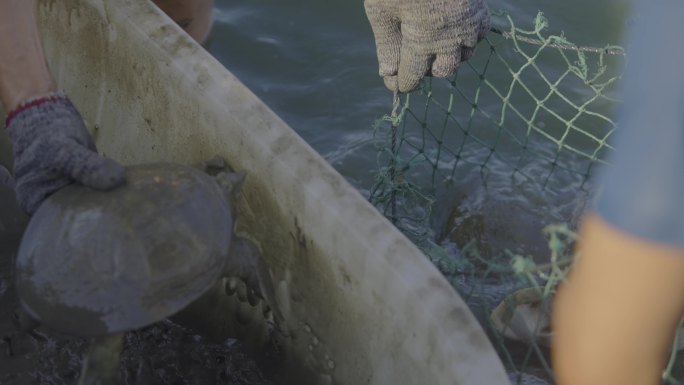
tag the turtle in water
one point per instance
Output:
(94, 263)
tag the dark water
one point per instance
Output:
(314, 63)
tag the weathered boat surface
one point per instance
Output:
(362, 304)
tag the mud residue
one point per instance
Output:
(163, 353)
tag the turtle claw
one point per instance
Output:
(6, 178)
(231, 286)
(252, 297)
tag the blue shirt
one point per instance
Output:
(643, 192)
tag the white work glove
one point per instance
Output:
(53, 149)
(418, 38)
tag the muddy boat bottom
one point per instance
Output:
(163, 353)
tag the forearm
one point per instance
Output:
(194, 16)
(615, 317)
(23, 70)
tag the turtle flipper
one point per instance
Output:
(245, 262)
(102, 364)
(244, 259)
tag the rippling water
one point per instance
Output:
(314, 63)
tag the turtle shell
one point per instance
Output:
(93, 263)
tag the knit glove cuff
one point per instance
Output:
(52, 149)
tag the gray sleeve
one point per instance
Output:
(643, 192)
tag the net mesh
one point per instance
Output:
(528, 106)
(489, 171)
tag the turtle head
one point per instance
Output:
(231, 184)
(229, 180)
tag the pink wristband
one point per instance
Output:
(34, 102)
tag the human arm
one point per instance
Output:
(50, 143)
(615, 317)
(194, 16)
(23, 70)
(418, 38)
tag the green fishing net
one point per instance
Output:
(489, 171)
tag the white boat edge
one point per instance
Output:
(362, 304)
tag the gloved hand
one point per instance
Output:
(53, 149)
(417, 38)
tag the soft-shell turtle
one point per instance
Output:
(93, 263)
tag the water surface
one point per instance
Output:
(314, 63)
